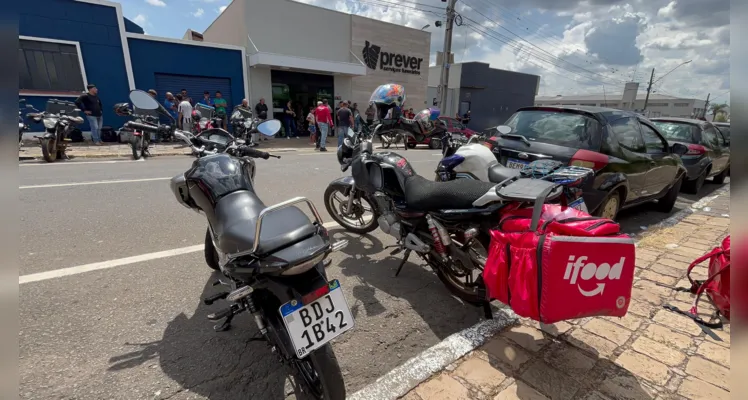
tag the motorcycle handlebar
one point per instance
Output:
(246, 151)
(140, 126)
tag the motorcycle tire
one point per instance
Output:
(335, 214)
(136, 143)
(474, 298)
(211, 255)
(49, 150)
(326, 365)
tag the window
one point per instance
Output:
(681, 104)
(49, 67)
(709, 137)
(657, 104)
(725, 129)
(652, 140)
(627, 133)
(678, 131)
(557, 127)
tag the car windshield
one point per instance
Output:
(556, 127)
(725, 130)
(678, 131)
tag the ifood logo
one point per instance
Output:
(579, 268)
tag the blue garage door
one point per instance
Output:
(195, 86)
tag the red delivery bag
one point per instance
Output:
(553, 263)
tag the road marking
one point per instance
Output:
(62, 272)
(36, 164)
(51, 185)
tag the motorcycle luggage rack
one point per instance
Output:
(269, 210)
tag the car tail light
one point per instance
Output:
(696, 150)
(589, 159)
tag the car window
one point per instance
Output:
(557, 127)
(709, 137)
(652, 140)
(725, 131)
(677, 131)
(626, 131)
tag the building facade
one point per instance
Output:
(65, 45)
(658, 105)
(491, 95)
(304, 53)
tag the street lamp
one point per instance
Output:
(652, 81)
(678, 66)
(426, 26)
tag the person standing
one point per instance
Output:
(370, 113)
(153, 93)
(356, 118)
(185, 113)
(206, 98)
(171, 104)
(220, 104)
(90, 104)
(261, 110)
(345, 121)
(186, 97)
(312, 123)
(466, 118)
(289, 117)
(324, 121)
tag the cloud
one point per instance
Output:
(624, 31)
(221, 9)
(199, 13)
(157, 3)
(140, 19)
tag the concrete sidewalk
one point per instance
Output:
(651, 353)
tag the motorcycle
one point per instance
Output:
(273, 259)
(204, 118)
(57, 127)
(140, 140)
(403, 130)
(243, 123)
(216, 140)
(22, 126)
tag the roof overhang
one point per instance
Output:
(307, 64)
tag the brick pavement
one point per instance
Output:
(651, 353)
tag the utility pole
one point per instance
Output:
(649, 89)
(444, 82)
(706, 106)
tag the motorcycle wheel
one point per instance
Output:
(136, 143)
(471, 290)
(336, 212)
(385, 141)
(321, 374)
(211, 255)
(49, 150)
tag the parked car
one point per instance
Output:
(723, 127)
(708, 149)
(633, 162)
(452, 125)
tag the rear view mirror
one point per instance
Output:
(504, 130)
(679, 149)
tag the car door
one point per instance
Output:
(724, 146)
(630, 156)
(664, 164)
(709, 140)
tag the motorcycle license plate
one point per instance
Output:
(321, 320)
(516, 164)
(579, 204)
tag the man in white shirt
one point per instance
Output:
(185, 113)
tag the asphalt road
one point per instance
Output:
(139, 330)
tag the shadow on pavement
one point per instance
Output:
(216, 365)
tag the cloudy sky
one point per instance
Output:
(577, 47)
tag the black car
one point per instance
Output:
(633, 162)
(708, 149)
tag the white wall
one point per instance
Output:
(343, 89)
(455, 75)
(230, 27)
(261, 87)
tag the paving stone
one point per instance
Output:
(594, 395)
(557, 329)
(412, 395)
(678, 322)
(714, 352)
(696, 389)
(647, 255)
(658, 277)
(443, 387)
(550, 381)
(569, 359)
(520, 391)
(668, 336)
(480, 374)
(639, 308)
(646, 296)
(697, 245)
(591, 343)
(722, 337)
(643, 366)
(666, 270)
(651, 287)
(687, 260)
(693, 253)
(708, 371)
(628, 321)
(674, 263)
(626, 387)
(721, 222)
(530, 338)
(705, 311)
(506, 352)
(608, 330)
(658, 351)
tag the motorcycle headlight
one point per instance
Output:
(247, 124)
(50, 123)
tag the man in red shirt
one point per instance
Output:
(324, 120)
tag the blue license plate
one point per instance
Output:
(516, 164)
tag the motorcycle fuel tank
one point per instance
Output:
(478, 159)
(395, 170)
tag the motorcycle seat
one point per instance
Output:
(236, 217)
(499, 173)
(425, 195)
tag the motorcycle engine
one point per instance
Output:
(389, 223)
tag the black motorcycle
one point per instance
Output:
(273, 259)
(445, 223)
(139, 139)
(57, 127)
(242, 123)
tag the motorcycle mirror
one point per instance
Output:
(29, 106)
(269, 127)
(143, 100)
(503, 129)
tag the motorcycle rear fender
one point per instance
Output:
(343, 184)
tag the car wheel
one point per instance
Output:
(720, 178)
(435, 144)
(411, 145)
(610, 206)
(667, 202)
(693, 186)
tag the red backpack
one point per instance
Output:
(716, 285)
(554, 263)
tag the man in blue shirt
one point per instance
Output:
(206, 98)
(171, 105)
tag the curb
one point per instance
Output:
(404, 378)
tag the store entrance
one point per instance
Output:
(303, 89)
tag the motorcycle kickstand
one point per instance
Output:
(402, 263)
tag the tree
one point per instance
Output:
(717, 109)
(720, 118)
